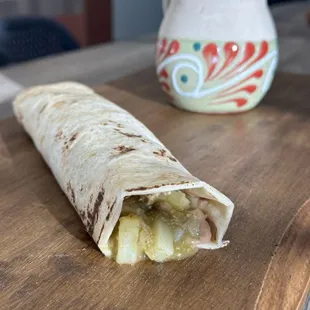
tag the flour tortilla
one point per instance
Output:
(100, 154)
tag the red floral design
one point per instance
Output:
(222, 64)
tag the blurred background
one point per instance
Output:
(95, 21)
(96, 41)
(92, 21)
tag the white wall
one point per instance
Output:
(132, 18)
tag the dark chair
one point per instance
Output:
(26, 38)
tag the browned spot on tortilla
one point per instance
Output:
(101, 230)
(113, 122)
(73, 137)
(122, 149)
(59, 134)
(66, 146)
(160, 152)
(110, 210)
(163, 153)
(143, 188)
(58, 104)
(93, 215)
(42, 109)
(81, 189)
(98, 202)
(172, 158)
(91, 198)
(107, 218)
(143, 140)
(71, 192)
(89, 225)
(130, 135)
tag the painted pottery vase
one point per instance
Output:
(216, 56)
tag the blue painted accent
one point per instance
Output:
(197, 46)
(184, 78)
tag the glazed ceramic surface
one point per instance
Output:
(213, 61)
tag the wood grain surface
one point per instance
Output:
(260, 159)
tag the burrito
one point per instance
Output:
(135, 199)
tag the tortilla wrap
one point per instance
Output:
(100, 154)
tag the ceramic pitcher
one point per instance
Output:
(216, 56)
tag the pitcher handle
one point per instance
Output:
(166, 4)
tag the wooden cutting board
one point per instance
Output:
(260, 159)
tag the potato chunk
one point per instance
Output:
(178, 201)
(129, 251)
(162, 245)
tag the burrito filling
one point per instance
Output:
(161, 227)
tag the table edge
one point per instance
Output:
(277, 293)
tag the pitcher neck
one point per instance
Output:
(218, 5)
